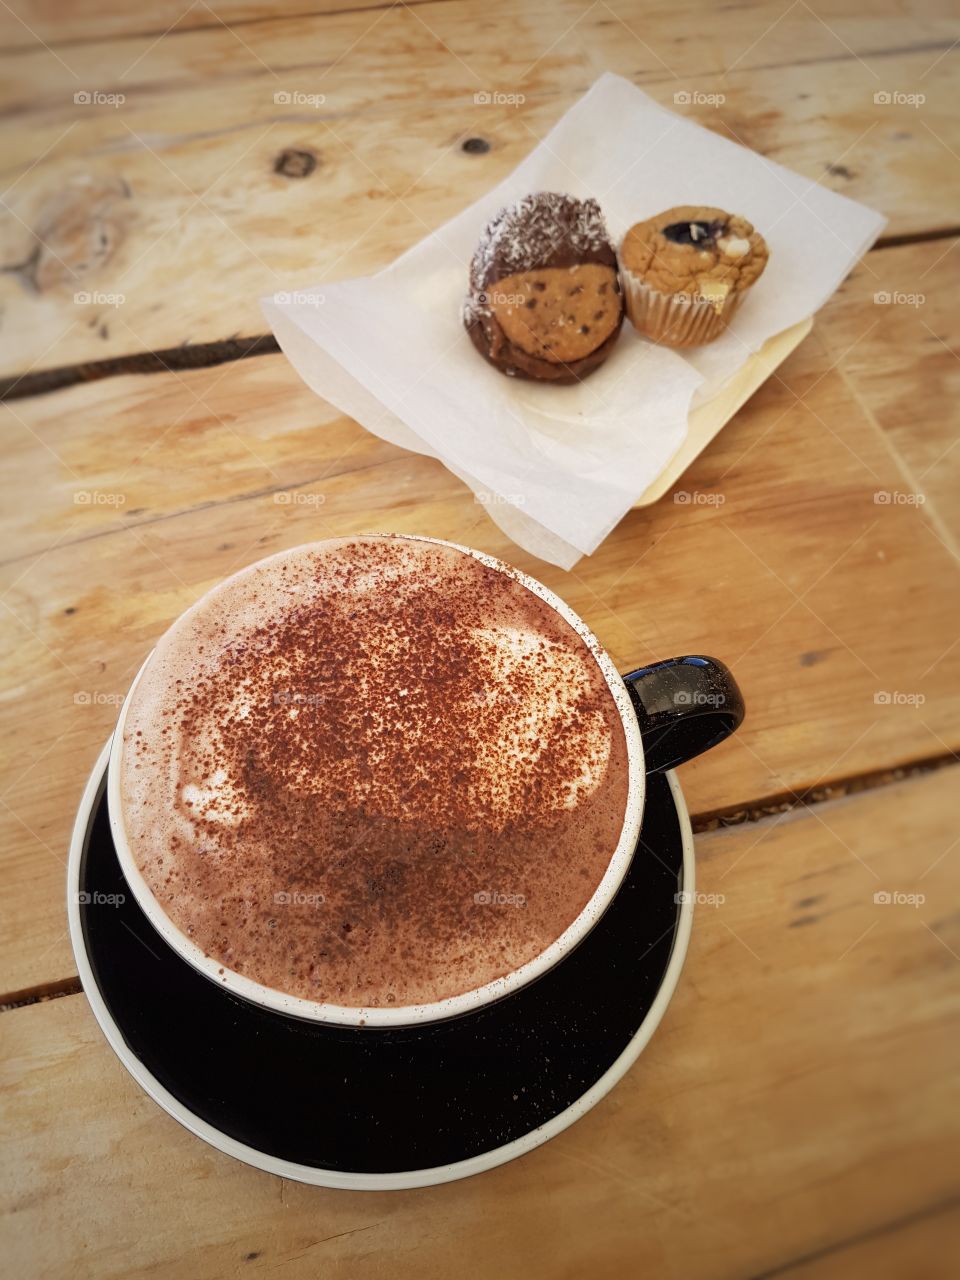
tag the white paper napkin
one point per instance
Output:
(558, 467)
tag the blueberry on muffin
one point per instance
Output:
(545, 300)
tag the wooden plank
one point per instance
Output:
(897, 324)
(795, 578)
(923, 1249)
(802, 1091)
(706, 420)
(842, 27)
(60, 25)
(171, 201)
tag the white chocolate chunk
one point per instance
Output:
(734, 247)
(715, 292)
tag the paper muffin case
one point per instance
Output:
(676, 319)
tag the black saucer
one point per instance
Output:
(383, 1108)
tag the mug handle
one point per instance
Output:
(685, 706)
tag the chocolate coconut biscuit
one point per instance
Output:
(545, 300)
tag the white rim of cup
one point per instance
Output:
(452, 1006)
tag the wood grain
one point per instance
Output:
(897, 326)
(923, 1248)
(755, 33)
(171, 201)
(801, 1092)
(59, 26)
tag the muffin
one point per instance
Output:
(687, 270)
(545, 299)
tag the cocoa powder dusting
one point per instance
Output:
(373, 771)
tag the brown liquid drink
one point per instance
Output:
(373, 772)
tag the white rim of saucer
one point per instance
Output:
(334, 1178)
(452, 1006)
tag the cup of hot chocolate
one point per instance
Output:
(385, 780)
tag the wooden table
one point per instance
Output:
(797, 1112)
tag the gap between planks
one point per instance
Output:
(772, 806)
(947, 1205)
(205, 355)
